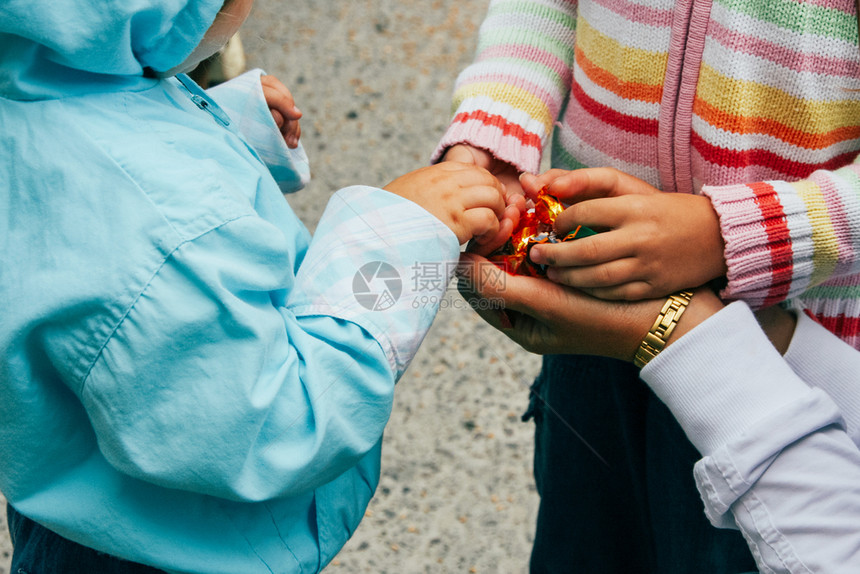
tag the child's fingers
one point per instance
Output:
(515, 200)
(488, 242)
(513, 212)
(278, 117)
(279, 98)
(592, 250)
(464, 175)
(598, 214)
(591, 183)
(459, 153)
(528, 182)
(481, 222)
(273, 84)
(292, 133)
(609, 274)
(485, 196)
(290, 129)
(481, 277)
(532, 184)
(583, 184)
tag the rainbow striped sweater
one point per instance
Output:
(753, 104)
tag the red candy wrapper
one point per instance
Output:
(535, 227)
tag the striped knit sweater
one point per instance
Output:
(754, 104)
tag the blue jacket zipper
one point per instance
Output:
(202, 101)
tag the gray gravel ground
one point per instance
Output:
(374, 80)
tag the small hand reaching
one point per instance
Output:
(506, 173)
(466, 198)
(283, 108)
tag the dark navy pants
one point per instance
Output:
(38, 550)
(615, 475)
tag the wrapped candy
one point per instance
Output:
(535, 226)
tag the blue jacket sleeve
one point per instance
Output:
(243, 100)
(234, 377)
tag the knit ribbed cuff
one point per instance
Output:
(509, 134)
(768, 241)
(722, 377)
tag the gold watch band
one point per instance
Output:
(662, 329)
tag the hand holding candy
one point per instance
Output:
(466, 198)
(536, 226)
(548, 318)
(654, 243)
(283, 108)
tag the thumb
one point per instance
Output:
(486, 280)
(480, 276)
(469, 154)
(459, 153)
(479, 292)
(530, 182)
(533, 184)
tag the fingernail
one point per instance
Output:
(536, 255)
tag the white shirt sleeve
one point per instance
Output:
(778, 464)
(825, 361)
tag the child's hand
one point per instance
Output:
(466, 198)
(283, 109)
(654, 243)
(514, 198)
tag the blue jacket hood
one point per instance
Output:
(56, 48)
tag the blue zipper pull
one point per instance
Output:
(202, 101)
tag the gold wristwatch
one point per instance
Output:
(662, 329)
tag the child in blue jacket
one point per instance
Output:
(189, 381)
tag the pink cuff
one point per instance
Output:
(766, 263)
(506, 140)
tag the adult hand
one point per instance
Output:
(506, 173)
(548, 318)
(283, 109)
(653, 244)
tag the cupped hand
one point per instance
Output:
(283, 109)
(653, 243)
(548, 318)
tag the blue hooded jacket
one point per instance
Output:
(187, 379)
